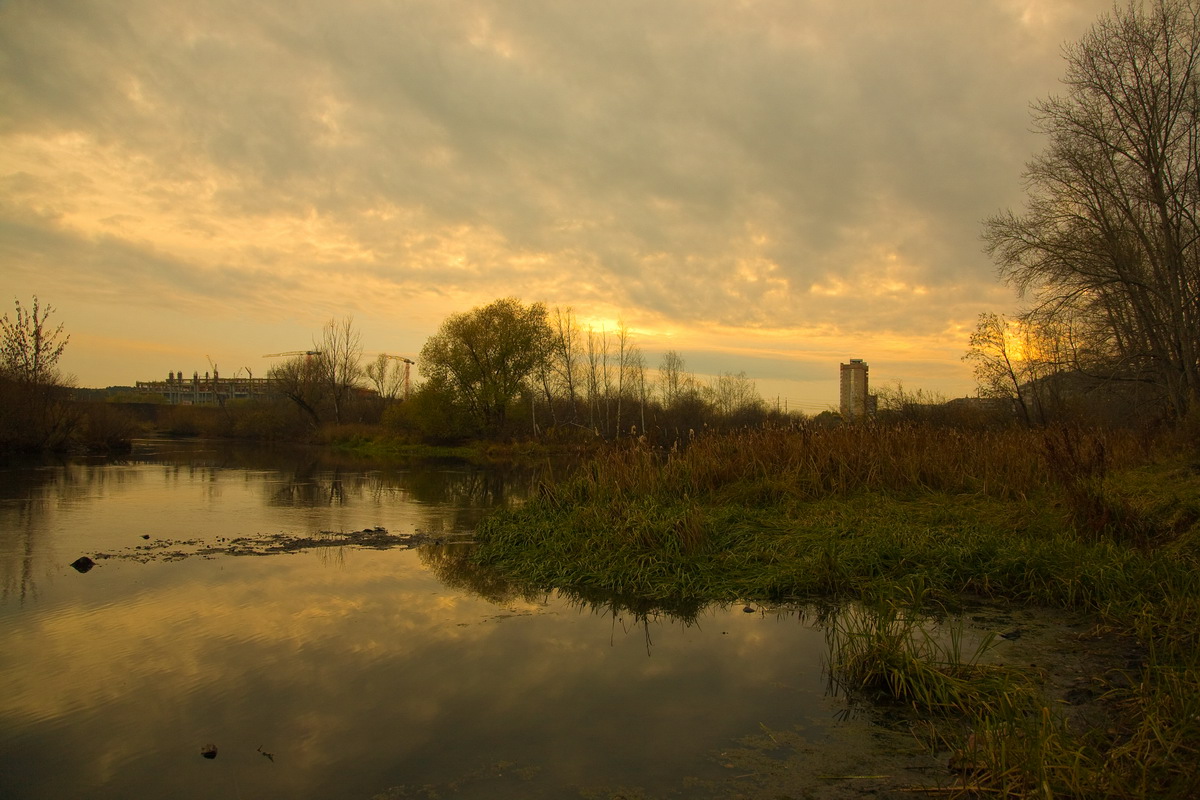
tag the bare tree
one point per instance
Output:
(339, 363)
(672, 377)
(598, 379)
(732, 393)
(1032, 360)
(624, 352)
(565, 356)
(1111, 229)
(386, 374)
(636, 366)
(999, 369)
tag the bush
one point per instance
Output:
(431, 413)
(268, 420)
(108, 428)
(36, 417)
(194, 421)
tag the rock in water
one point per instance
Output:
(83, 564)
(209, 751)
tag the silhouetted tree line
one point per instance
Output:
(514, 370)
(510, 369)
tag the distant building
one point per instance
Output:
(856, 403)
(206, 390)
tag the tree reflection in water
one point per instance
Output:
(31, 491)
(451, 562)
(172, 478)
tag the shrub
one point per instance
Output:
(108, 428)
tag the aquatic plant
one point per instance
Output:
(895, 653)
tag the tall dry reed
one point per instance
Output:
(810, 463)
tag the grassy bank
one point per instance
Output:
(372, 442)
(276, 421)
(1103, 523)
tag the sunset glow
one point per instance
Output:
(764, 188)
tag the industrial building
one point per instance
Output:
(206, 390)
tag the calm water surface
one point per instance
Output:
(362, 672)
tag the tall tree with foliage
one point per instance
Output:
(485, 355)
(1111, 230)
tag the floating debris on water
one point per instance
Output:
(377, 538)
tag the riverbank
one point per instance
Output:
(908, 519)
(375, 443)
(277, 424)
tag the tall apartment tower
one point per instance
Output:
(854, 390)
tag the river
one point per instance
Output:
(359, 671)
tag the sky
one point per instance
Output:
(769, 187)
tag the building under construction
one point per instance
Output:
(207, 389)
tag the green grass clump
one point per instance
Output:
(887, 651)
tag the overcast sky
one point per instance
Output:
(772, 187)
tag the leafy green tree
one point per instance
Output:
(484, 357)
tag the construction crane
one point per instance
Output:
(408, 362)
(308, 353)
